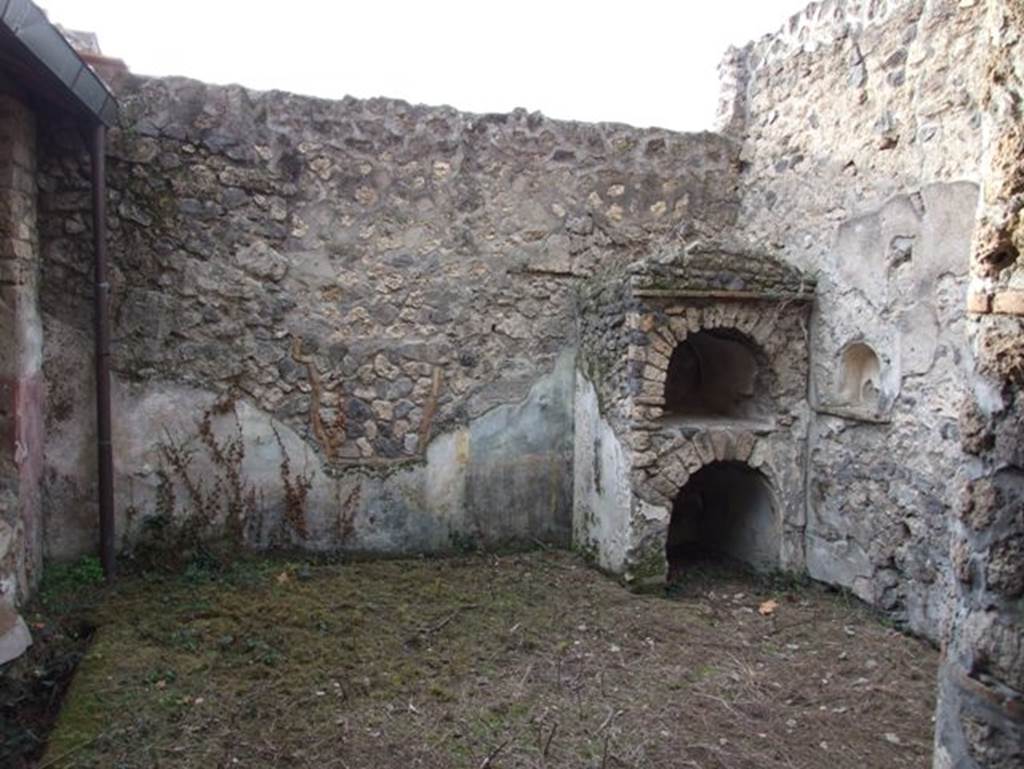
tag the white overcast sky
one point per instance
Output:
(634, 61)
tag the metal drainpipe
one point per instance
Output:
(102, 303)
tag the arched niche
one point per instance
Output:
(860, 376)
(716, 373)
(725, 511)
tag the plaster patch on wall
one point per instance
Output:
(602, 499)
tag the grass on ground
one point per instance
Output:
(530, 661)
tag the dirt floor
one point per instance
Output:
(527, 660)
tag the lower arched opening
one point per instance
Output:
(724, 514)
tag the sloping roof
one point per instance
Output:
(40, 59)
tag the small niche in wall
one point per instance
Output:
(715, 374)
(860, 377)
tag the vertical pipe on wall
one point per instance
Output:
(102, 308)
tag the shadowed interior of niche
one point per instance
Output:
(716, 374)
(860, 375)
(723, 513)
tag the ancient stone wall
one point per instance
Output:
(603, 499)
(351, 324)
(21, 445)
(861, 143)
(980, 715)
(344, 323)
(356, 325)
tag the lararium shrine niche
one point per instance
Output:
(691, 412)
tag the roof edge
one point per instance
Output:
(28, 25)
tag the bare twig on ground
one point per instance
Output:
(494, 754)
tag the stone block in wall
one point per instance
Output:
(979, 302)
(1008, 303)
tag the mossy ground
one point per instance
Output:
(530, 660)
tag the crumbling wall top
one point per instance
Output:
(718, 270)
(824, 23)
